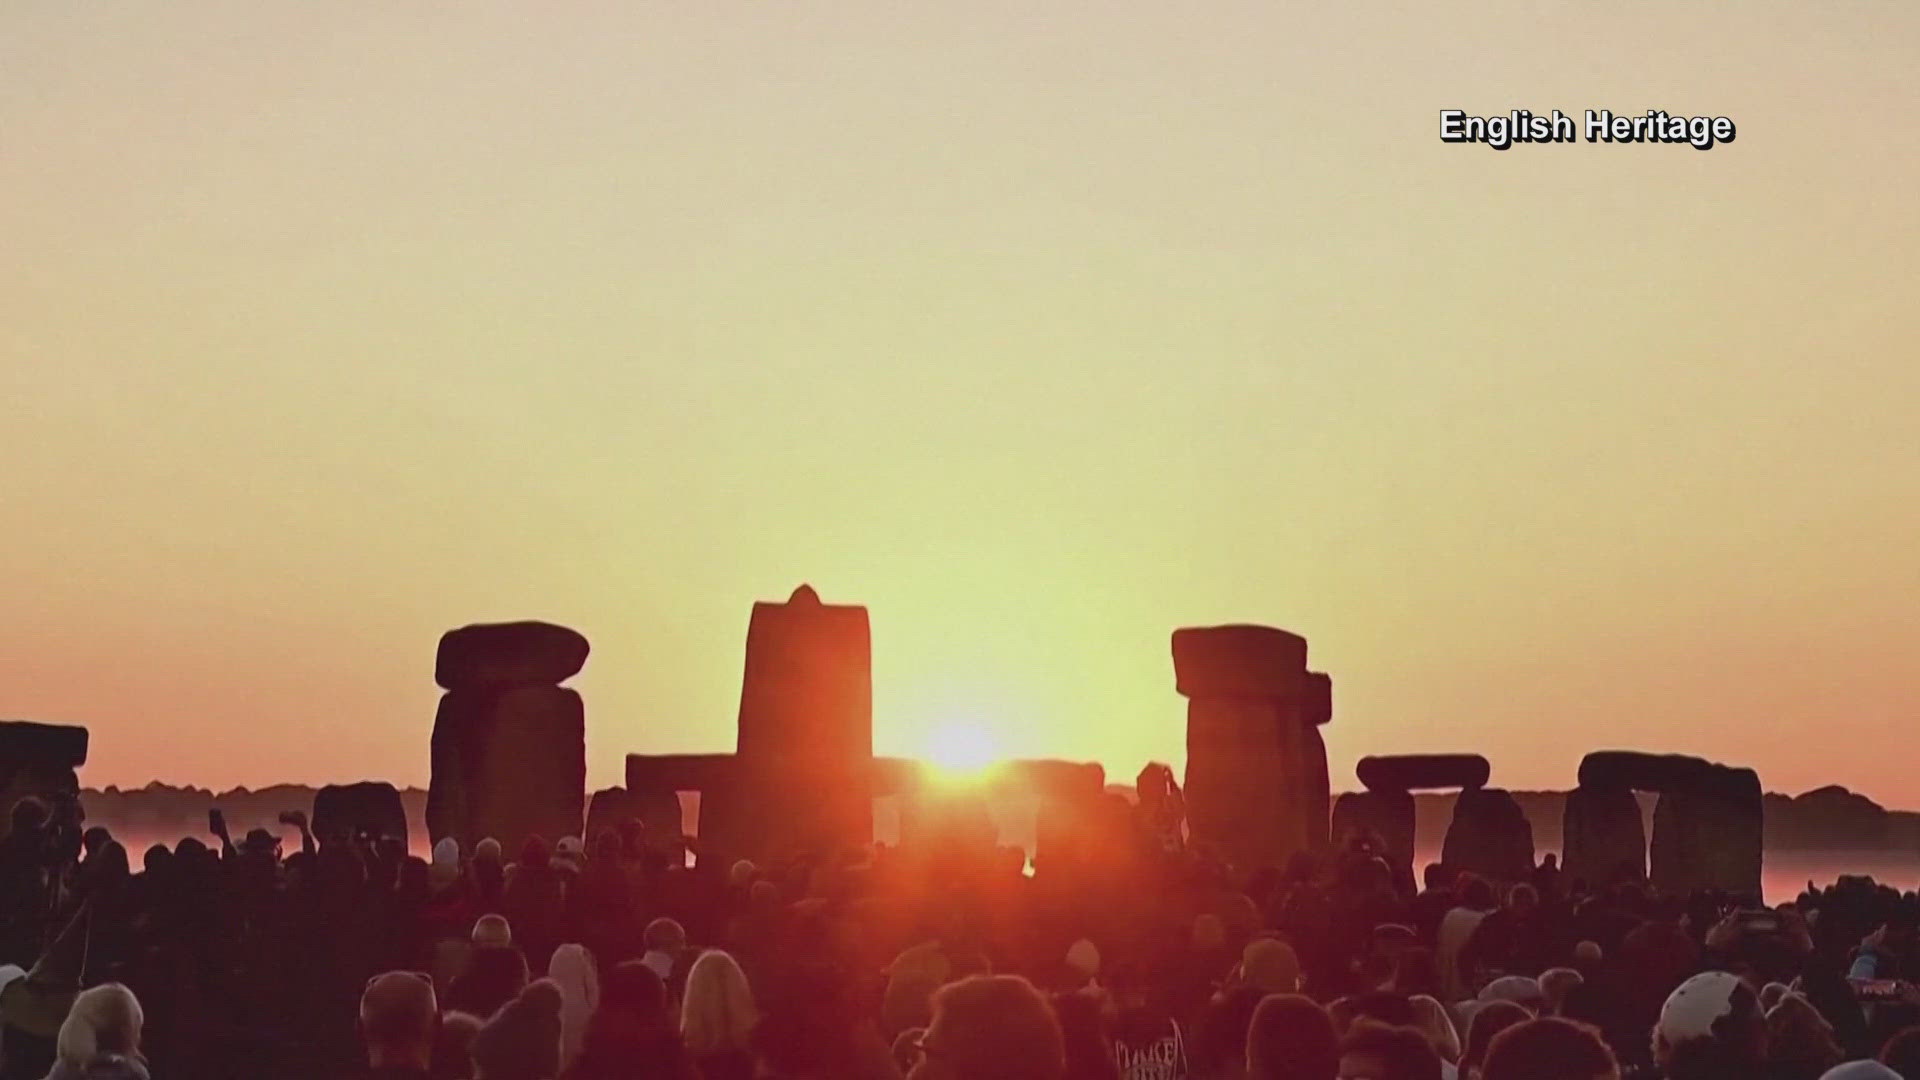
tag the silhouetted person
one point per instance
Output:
(399, 1024)
(991, 1027)
(1374, 1052)
(1549, 1049)
(1291, 1038)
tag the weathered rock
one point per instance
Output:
(1317, 707)
(1710, 836)
(1489, 836)
(498, 656)
(1239, 661)
(508, 765)
(1708, 827)
(1603, 837)
(40, 760)
(344, 811)
(804, 764)
(1659, 772)
(1317, 710)
(1418, 772)
(658, 810)
(1254, 762)
(1388, 818)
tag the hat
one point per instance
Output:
(1698, 1005)
(492, 932)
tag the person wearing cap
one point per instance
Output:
(1711, 1028)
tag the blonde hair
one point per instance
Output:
(104, 1020)
(717, 1010)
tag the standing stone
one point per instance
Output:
(1710, 835)
(1313, 750)
(1251, 787)
(1489, 836)
(1388, 818)
(803, 764)
(344, 811)
(41, 760)
(1708, 827)
(509, 746)
(1604, 838)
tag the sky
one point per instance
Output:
(1039, 329)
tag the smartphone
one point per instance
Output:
(216, 821)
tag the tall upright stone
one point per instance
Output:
(1254, 757)
(509, 742)
(41, 760)
(1312, 749)
(802, 780)
(1489, 836)
(1603, 836)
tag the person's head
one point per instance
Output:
(1271, 966)
(1523, 898)
(1555, 983)
(718, 1011)
(1224, 1026)
(1291, 1038)
(522, 1041)
(991, 1027)
(1711, 1027)
(1431, 1018)
(104, 1021)
(1489, 1020)
(1374, 1051)
(1477, 894)
(399, 1019)
(1799, 1039)
(1519, 989)
(492, 932)
(1860, 1070)
(1435, 876)
(1902, 1052)
(453, 1047)
(630, 993)
(665, 935)
(1549, 1049)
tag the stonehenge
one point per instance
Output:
(1489, 834)
(344, 811)
(1708, 825)
(801, 775)
(509, 743)
(41, 760)
(1256, 782)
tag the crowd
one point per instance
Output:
(1139, 958)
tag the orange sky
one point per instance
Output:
(1039, 329)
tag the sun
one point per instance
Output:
(961, 749)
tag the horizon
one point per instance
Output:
(1038, 333)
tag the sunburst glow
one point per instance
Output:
(961, 749)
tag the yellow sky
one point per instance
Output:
(1040, 329)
